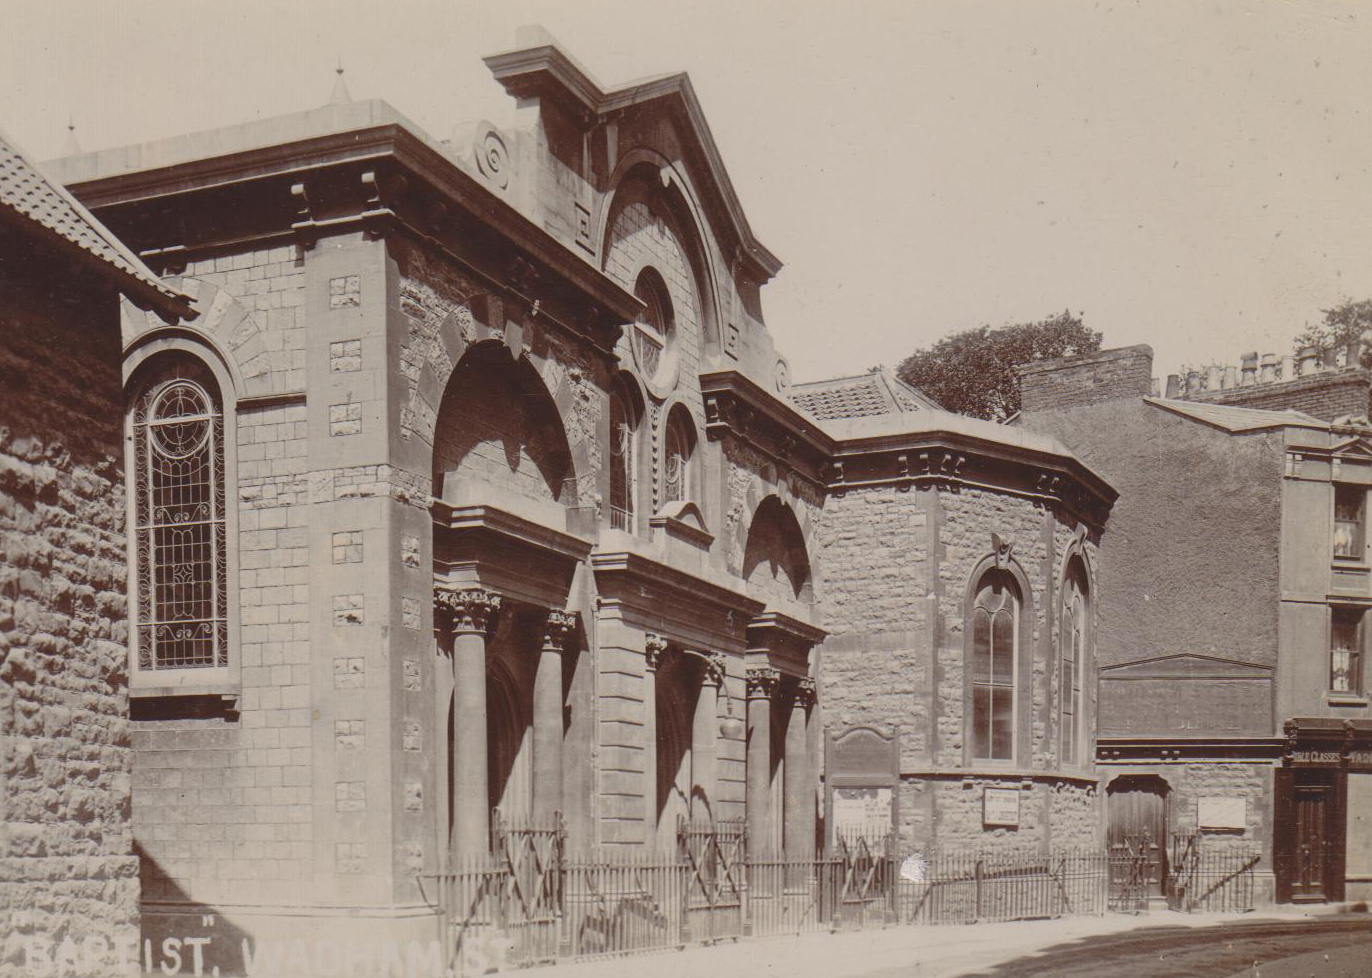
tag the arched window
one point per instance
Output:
(623, 452)
(1072, 656)
(179, 531)
(655, 336)
(995, 648)
(678, 447)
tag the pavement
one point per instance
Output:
(921, 951)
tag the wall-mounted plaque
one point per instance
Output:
(1222, 812)
(1000, 807)
(862, 811)
(862, 773)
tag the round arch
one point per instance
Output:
(776, 561)
(664, 182)
(980, 690)
(497, 423)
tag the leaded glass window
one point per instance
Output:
(677, 462)
(621, 463)
(1072, 644)
(178, 432)
(995, 635)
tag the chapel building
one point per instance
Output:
(515, 524)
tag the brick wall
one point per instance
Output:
(1327, 395)
(68, 877)
(1078, 381)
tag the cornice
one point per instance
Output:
(510, 526)
(770, 623)
(546, 71)
(647, 582)
(401, 164)
(945, 457)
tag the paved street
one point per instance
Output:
(1159, 946)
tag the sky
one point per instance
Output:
(1191, 174)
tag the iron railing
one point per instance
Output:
(531, 901)
(1217, 877)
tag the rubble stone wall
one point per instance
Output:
(68, 876)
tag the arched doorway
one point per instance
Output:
(1137, 839)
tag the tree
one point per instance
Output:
(973, 372)
(1348, 322)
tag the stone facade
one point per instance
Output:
(69, 884)
(897, 606)
(524, 532)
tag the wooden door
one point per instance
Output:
(1311, 863)
(1137, 838)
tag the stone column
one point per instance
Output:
(472, 609)
(653, 649)
(704, 730)
(548, 704)
(799, 821)
(762, 683)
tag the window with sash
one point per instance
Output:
(1345, 650)
(181, 598)
(1350, 505)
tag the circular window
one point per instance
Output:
(655, 334)
(180, 421)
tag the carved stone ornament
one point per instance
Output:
(472, 608)
(806, 691)
(556, 630)
(654, 647)
(714, 670)
(1002, 549)
(762, 682)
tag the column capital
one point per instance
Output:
(556, 629)
(654, 648)
(472, 608)
(806, 691)
(762, 682)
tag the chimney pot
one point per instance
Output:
(1231, 377)
(1288, 368)
(1213, 376)
(1268, 369)
(1174, 386)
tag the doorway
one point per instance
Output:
(1136, 840)
(1309, 835)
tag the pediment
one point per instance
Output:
(1354, 447)
(684, 511)
(1187, 665)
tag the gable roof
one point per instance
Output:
(545, 70)
(1237, 419)
(866, 395)
(42, 206)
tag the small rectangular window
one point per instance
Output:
(1345, 651)
(1349, 505)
